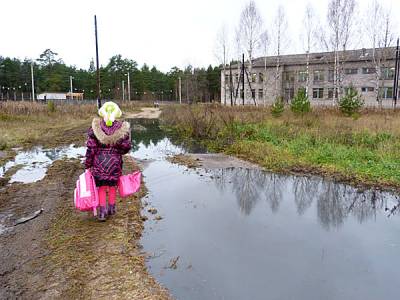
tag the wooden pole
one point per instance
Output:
(97, 65)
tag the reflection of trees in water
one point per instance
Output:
(335, 202)
(249, 185)
(152, 135)
(304, 190)
(273, 190)
(330, 205)
(246, 185)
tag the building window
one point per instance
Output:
(330, 93)
(289, 94)
(288, 76)
(253, 77)
(387, 73)
(226, 78)
(260, 77)
(350, 71)
(303, 76)
(318, 93)
(318, 75)
(386, 92)
(331, 75)
(260, 94)
(366, 89)
(237, 77)
(368, 70)
(253, 93)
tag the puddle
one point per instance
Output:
(36, 162)
(240, 233)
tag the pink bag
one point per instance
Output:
(86, 197)
(129, 184)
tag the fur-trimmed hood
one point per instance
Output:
(111, 139)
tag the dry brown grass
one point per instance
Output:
(23, 124)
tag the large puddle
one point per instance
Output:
(247, 234)
(32, 165)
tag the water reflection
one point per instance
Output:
(335, 202)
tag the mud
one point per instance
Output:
(64, 254)
(211, 161)
(146, 113)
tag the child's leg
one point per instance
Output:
(102, 196)
(111, 195)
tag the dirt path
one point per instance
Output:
(63, 254)
(146, 113)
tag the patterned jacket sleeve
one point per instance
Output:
(91, 150)
(124, 145)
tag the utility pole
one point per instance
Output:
(129, 88)
(97, 65)
(70, 87)
(33, 83)
(123, 90)
(396, 75)
(180, 90)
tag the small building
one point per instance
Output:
(60, 96)
(52, 96)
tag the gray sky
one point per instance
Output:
(164, 33)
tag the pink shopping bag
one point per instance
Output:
(129, 184)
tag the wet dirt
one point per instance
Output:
(61, 253)
(145, 113)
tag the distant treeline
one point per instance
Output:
(53, 75)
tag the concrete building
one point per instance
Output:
(356, 68)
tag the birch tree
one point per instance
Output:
(238, 49)
(378, 27)
(222, 52)
(309, 37)
(279, 30)
(251, 26)
(340, 23)
(265, 40)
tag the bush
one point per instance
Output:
(51, 107)
(278, 107)
(300, 103)
(351, 103)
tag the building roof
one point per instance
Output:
(358, 55)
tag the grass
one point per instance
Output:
(24, 124)
(361, 150)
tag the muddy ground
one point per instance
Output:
(64, 254)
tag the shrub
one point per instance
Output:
(51, 107)
(278, 107)
(351, 103)
(300, 103)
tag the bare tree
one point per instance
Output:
(221, 52)
(309, 37)
(378, 27)
(251, 26)
(265, 40)
(279, 31)
(340, 22)
(238, 49)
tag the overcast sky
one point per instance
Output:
(164, 33)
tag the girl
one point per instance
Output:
(107, 141)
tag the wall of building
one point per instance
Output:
(272, 88)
